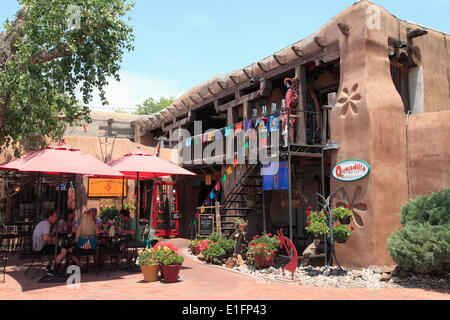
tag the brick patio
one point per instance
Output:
(198, 282)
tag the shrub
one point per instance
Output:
(423, 245)
(227, 245)
(214, 253)
(432, 209)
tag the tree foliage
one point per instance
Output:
(44, 63)
(152, 105)
(423, 245)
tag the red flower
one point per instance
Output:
(309, 222)
(307, 211)
(352, 228)
(269, 234)
(348, 207)
(310, 207)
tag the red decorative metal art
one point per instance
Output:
(291, 251)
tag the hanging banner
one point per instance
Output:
(275, 176)
(351, 170)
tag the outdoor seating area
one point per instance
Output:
(66, 235)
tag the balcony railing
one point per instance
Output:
(229, 143)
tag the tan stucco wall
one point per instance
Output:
(429, 153)
(373, 130)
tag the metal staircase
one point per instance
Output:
(235, 204)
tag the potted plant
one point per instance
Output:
(262, 249)
(170, 261)
(149, 263)
(341, 233)
(343, 215)
(242, 223)
(317, 224)
(194, 246)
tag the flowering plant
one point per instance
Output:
(147, 257)
(130, 204)
(260, 249)
(342, 232)
(241, 221)
(195, 242)
(167, 254)
(213, 253)
(342, 213)
(317, 223)
(271, 242)
(204, 245)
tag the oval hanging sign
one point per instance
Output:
(351, 170)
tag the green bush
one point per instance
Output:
(107, 214)
(214, 253)
(423, 245)
(422, 248)
(432, 209)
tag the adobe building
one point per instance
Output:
(371, 87)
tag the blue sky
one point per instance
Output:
(182, 43)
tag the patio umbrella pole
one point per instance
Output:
(138, 212)
(123, 191)
(57, 217)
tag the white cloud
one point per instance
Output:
(133, 89)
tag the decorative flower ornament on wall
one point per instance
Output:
(355, 204)
(349, 100)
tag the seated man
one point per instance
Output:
(131, 229)
(44, 243)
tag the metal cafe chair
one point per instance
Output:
(6, 245)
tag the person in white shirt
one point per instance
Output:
(44, 243)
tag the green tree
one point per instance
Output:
(151, 105)
(50, 53)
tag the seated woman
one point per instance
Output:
(67, 225)
(85, 238)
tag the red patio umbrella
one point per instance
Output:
(139, 165)
(61, 159)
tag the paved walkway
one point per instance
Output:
(198, 282)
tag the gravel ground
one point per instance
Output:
(372, 277)
(338, 278)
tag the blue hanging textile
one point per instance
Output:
(188, 142)
(212, 195)
(275, 176)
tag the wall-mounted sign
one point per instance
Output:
(106, 188)
(351, 170)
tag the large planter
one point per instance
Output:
(170, 273)
(263, 262)
(150, 273)
(195, 250)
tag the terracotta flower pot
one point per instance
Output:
(170, 273)
(150, 272)
(195, 250)
(263, 262)
(242, 227)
